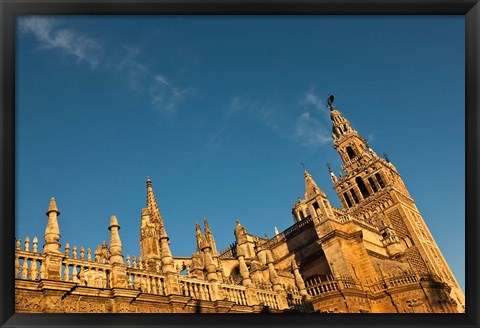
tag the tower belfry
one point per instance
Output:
(373, 185)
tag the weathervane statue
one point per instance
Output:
(330, 101)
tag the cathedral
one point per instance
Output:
(375, 254)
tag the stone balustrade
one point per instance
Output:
(145, 281)
(322, 287)
(86, 273)
(197, 289)
(287, 232)
(74, 265)
(235, 293)
(29, 265)
(316, 287)
(269, 299)
(229, 252)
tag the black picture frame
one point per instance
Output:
(10, 9)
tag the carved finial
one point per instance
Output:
(67, 249)
(205, 224)
(52, 207)
(27, 244)
(35, 244)
(328, 166)
(52, 231)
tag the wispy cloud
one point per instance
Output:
(264, 110)
(310, 131)
(69, 41)
(135, 72)
(311, 98)
(164, 95)
(310, 128)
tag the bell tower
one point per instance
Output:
(372, 186)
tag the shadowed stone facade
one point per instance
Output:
(375, 254)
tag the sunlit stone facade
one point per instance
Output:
(375, 254)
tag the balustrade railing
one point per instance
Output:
(402, 280)
(287, 232)
(86, 273)
(197, 289)
(236, 294)
(145, 281)
(29, 265)
(315, 286)
(268, 298)
(229, 252)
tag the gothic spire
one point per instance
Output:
(209, 236)
(201, 240)
(152, 207)
(152, 202)
(311, 188)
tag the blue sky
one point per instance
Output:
(220, 111)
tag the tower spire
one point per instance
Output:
(209, 236)
(152, 202)
(52, 231)
(311, 188)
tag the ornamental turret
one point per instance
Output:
(115, 247)
(52, 231)
(315, 205)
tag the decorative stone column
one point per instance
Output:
(298, 279)
(51, 249)
(273, 273)
(119, 269)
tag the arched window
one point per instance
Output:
(354, 195)
(347, 200)
(362, 187)
(302, 217)
(380, 181)
(350, 153)
(372, 184)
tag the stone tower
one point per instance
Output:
(373, 190)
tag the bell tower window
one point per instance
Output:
(354, 196)
(350, 153)
(347, 199)
(362, 187)
(380, 181)
(372, 184)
